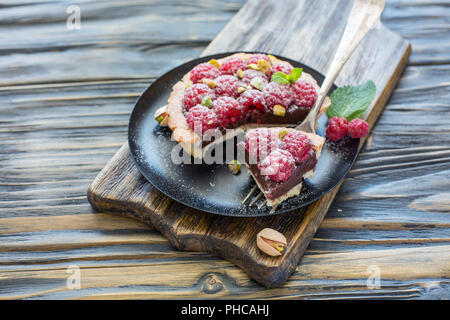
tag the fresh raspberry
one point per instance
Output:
(278, 165)
(227, 86)
(304, 94)
(275, 93)
(298, 144)
(256, 57)
(358, 128)
(252, 99)
(200, 119)
(202, 71)
(283, 67)
(195, 93)
(228, 111)
(231, 65)
(259, 143)
(249, 74)
(337, 128)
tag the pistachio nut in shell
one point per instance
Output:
(271, 242)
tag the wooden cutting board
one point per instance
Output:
(307, 31)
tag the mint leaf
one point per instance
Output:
(280, 77)
(296, 73)
(351, 102)
(283, 78)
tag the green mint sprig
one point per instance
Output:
(283, 78)
(351, 102)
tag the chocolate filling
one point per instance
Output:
(294, 114)
(274, 189)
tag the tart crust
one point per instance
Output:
(191, 141)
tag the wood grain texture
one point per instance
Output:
(120, 186)
(57, 132)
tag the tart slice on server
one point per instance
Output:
(279, 159)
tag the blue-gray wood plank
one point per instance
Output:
(65, 99)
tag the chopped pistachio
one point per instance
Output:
(257, 83)
(240, 74)
(215, 63)
(279, 110)
(234, 166)
(162, 116)
(209, 82)
(206, 101)
(241, 89)
(253, 66)
(263, 65)
(273, 59)
(188, 84)
(283, 133)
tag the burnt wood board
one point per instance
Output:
(301, 30)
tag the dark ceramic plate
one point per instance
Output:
(212, 188)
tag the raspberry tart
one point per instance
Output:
(279, 159)
(236, 93)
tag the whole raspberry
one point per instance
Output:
(249, 74)
(358, 128)
(195, 93)
(298, 144)
(227, 86)
(231, 65)
(275, 93)
(283, 67)
(337, 128)
(278, 165)
(200, 119)
(252, 100)
(228, 111)
(202, 71)
(304, 94)
(259, 143)
(255, 58)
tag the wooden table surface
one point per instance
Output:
(65, 99)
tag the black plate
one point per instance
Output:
(212, 188)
